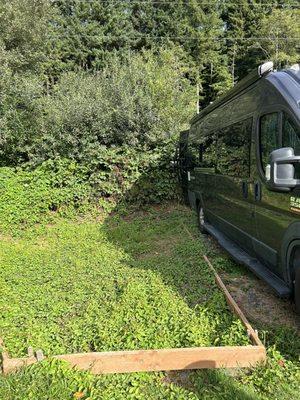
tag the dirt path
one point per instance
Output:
(259, 303)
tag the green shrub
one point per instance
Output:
(117, 174)
(140, 102)
(113, 132)
(18, 116)
(26, 197)
(134, 175)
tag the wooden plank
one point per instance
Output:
(233, 305)
(166, 359)
(13, 364)
(230, 300)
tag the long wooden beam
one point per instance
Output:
(230, 300)
(154, 360)
(167, 359)
(233, 305)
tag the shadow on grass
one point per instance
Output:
(157, 241)
(211, 384)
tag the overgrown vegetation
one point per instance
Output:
(113, 132)
(91, 286)
(66, 187)
(141, 103)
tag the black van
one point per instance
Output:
(240, 162)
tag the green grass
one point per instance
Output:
(112, 285)
(125, 282)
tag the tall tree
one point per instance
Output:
(87, 32)
(83, 32)
(282, 28)
(252, 28)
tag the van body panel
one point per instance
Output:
(272, 210)
(229, 179)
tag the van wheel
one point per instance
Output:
(201, 219)
(297, 290)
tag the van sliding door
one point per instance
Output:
(234, 206)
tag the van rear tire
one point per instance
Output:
(297, 290)
(201, 218)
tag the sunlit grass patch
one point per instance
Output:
(82, 286)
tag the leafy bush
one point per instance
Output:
(140, 102)
(134, 174)
(18, 115)
(117, 129)
(117, 174)
(27, 197)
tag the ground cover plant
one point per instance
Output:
(96, 285)
(123, 282)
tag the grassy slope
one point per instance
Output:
(123, 283)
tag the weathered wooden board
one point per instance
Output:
(167, 359)
(234, 307)
(154, 360)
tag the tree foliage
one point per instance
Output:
(79, 78)
(257, 31)
(24, 34)
(142, 102)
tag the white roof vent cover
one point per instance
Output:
(265, 68)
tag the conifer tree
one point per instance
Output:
(257, 31)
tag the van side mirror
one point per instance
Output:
(281, 175)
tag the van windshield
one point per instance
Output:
(290, 134)
(291, 138)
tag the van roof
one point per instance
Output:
(294, 71)
(287, 82)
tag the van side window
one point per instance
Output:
(208, 151)
(290, 134)
(233, 144)
(201, 150)
(193, 153)
(269, 137)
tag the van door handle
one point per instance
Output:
(257, 191)
(245, 189)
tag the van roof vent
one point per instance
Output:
(265, 68)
